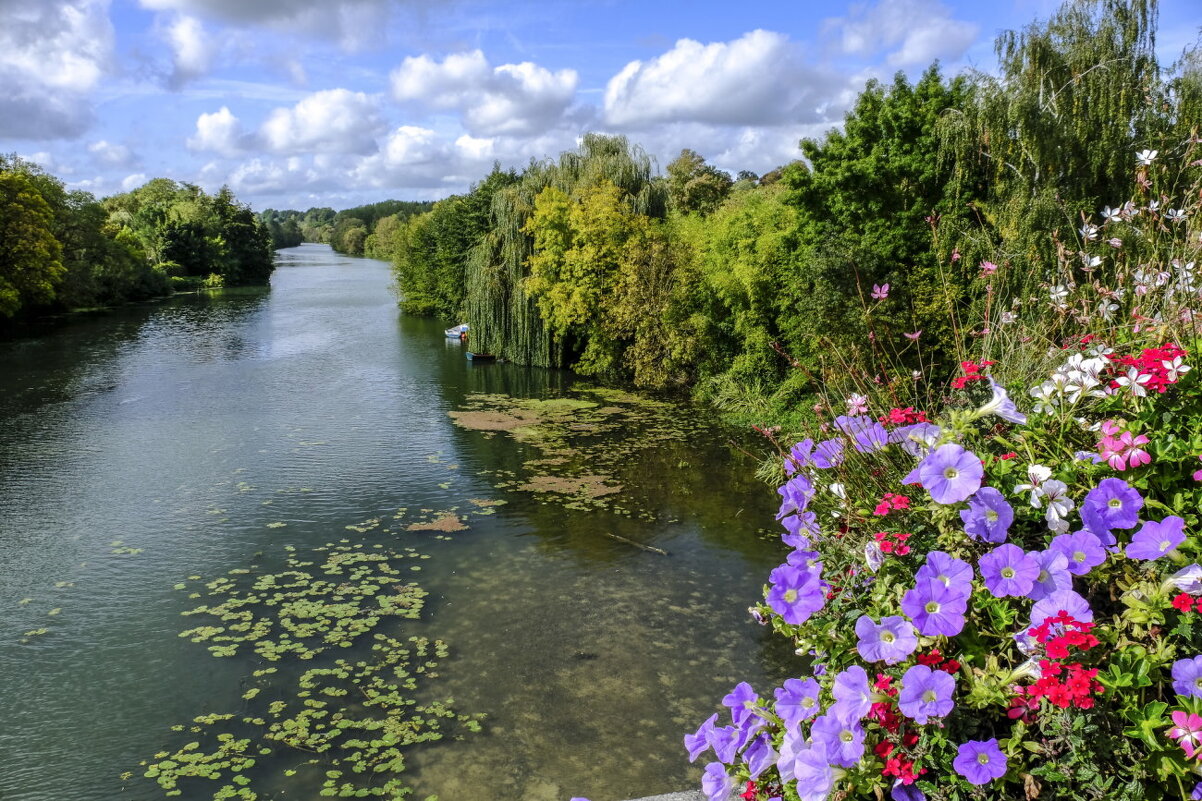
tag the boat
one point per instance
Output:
(480, 357)
(456, 332)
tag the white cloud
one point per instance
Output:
(757, 79)
(132, 182)
(191, 47)
(354, 23)
(110, 154)
(51, 55)
(219, 132)
(511, 99)
(333, 120)
(914, 32)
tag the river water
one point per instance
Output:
(206, 434)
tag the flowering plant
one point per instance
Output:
(998, 595)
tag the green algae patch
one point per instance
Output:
(343, 725)
(448, 521)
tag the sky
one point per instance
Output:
(300, 103)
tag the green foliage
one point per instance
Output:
(30, 256)
(694, 186)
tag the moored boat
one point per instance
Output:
(480, 357)
(456, 332)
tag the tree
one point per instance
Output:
(694, 186)
(30, 256)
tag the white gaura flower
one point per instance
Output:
(1009, 317)
(1145, 157)
(1112, 215)
(1107, 308)
(1134, 380)
(1089, 232)
(1089, 262)
(1037, 474)
(1058, 294)
(1153, 206)
(1129, 210)
(1058, 504)
(1175, 367)
(1175, 215)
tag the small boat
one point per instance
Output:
(480, 357)
(457, 332)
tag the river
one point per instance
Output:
(148, 450)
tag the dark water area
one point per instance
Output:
(207, 434)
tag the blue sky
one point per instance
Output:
(296, 103)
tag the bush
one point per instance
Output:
(996, 579)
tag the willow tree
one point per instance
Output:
(30, 257)
(1057, 130)
(505, 318)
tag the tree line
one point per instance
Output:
(63, 249)
(875, 239)
(360, 231)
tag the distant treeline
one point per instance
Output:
(731, 283)
(361, 231)
(62, 250)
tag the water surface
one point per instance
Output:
(169, 440)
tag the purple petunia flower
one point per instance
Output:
(890, 642)
(795, 593)
(1083, 550)
(906, 792)
(799, 456)
(815, 776)
(853, 698)
(1007, 570)
(828, 454)
(759, 756)
(949, 473)
(935, 608)
(696, 744)
(956, 574)
(741, 702)
(1053, 574)
(842, 741)
(853, 424)
(1002, 405)
(916, 439)
(801, 529)
(1154, 540)
(870, 439)
(796, 701)
(715, 782)
(726, 742)
(796, 495)
(926, 694)
(1187, 677)
(792, 744)
(980, 761)
(1110, 505)
(988, 516)
(1196, 795)
(1061, 601)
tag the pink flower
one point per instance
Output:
(1121, 449)
(880, 292)
(913, 336)
(857, 404)
(988, 268)
(1198, 475)
(1187, 731)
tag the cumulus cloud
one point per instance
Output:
(132, 182)
(218, 132)
(355, 23)
(511, 99)
(333, 120)
(110, 154)
(51, 55)
(191, 47)
(757, 79)
(912, 32)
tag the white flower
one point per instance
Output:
(874, 557)
(1176, 368)
(1058, 294)
(1058, 504)
(1089, 232)
(1037, 474)
(1175, 215)
(1145, 157)
(1009, 317)
(1153, 206)
(838, 490)
(1187, 579)
(1135, 380)
(1112, 215)
(1129, 210)
(1089, 262)
(1107, 309)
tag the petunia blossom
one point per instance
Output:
(1008, 571)
(1110, 505)
(716, 783)
(842, 741)
(988, 516)
(853, 696)
(949, 473)
(926, 694)
(1053, 574)
(955, 574)
(1066, 601)
(795, 594)
(890, 641)
(1187, 677)
(697, 743)
(980, 761)
(1083, 550)
(797, 700)
(1154, 540)
(936, 609)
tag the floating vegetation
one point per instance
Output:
(308, 607)
(349, 721)
(444, 521)
(276, 524)
(579, 443)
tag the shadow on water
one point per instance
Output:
(203, 435)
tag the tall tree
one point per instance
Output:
(30, 256)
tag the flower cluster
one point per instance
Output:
(973, 371)
(1122, 449)
(1153, 369)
